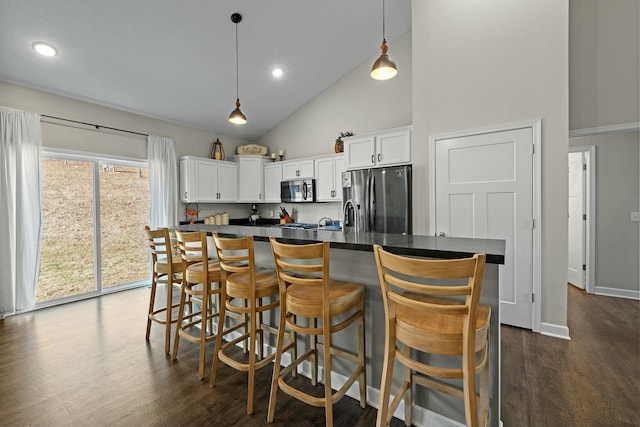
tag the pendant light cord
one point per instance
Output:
(237, 72)
(383, 20)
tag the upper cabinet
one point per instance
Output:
(207, 181)
(295, 169)
(272, 178)
(250, 178)
(383, 148)
(328, 174)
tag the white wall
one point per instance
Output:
(480, 64)
(604, 62)
(356, 103)
(604, 90)
(188, 141)
(617, 195)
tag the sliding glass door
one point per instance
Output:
(94, 212)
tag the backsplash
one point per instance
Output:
(300, 212)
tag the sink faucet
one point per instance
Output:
(325, 219)
(347, 204)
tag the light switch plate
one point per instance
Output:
(635, 216)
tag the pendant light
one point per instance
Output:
(384, 68)
(236, 116)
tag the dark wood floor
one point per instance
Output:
(592, 380)
(87, 364)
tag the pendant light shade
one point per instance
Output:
(384, 68)
(237, 117)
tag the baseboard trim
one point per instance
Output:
(622, 127)
(556, 331)
(615, 292)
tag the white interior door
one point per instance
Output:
(484, 189)
(575, 272)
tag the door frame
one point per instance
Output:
(590, 228)
(536, 129)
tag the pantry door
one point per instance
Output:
(484, 189)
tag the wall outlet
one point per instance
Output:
(635, 216)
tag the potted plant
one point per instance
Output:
(339, 145)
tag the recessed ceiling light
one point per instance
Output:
(44, 49)
(277, 72)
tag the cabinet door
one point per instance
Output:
(272, 178)
(227, 182)
(290, 170)
(306, 168)
(324, 179)
(205, 181)
(185, 181)
(250, 177)
(393, 147)
(359, 152)
(339, 166)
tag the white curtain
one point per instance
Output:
(20, 209)
(163, 182)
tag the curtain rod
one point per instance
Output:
(98, 127)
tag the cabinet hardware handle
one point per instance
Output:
(373, 158)
(185, 195)
(379, 157)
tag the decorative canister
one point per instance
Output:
(225, 218)
(218, 219)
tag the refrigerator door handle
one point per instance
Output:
(372, 203)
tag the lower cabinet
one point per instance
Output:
(208, 181)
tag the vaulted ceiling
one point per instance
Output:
(176, 60)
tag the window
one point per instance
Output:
(94, 213)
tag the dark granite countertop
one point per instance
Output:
(426, 246)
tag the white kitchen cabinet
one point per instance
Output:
(377, 149)
(250, 178)
(204, 180)
(272, 178)
(328, 174)
(295, 169)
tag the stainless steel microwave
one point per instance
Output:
(298, 191)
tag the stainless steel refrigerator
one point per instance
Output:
(377, 200)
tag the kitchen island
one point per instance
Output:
(352, 260)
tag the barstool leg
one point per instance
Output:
(387, 375)
(176, 338)
(152, 299)
(276, 364)
(252, 354)
(221, 322)
(361, 358)
(314, 355)
(408, 394)
(204, 318)
(167, 335)
(328, 402)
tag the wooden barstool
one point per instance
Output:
(307, 292)
(435, 318)
(244, 288)
(200, 285)
(167, 270)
